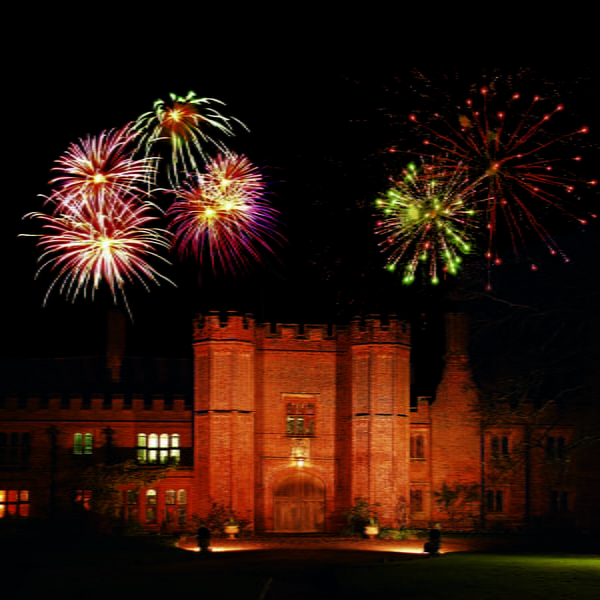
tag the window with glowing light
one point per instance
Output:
(300, 419)
(83, 443)
(157, 448)
(83, 499)
(14, 503)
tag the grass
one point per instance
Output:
(115, 568)
(465, 575)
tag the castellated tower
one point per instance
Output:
(456, 430)
(379, 414)
(224, 412)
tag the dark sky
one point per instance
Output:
(316, 130)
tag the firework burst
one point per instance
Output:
(187, 123)
(426, 221)
(101, 168)
(224, 213)
(90, 242)
(514, 163)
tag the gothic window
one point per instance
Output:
(15, 449)
(14, 503)
(417, 446)
(154, 448)
(494, 501)
(300, 419)
(82, 443)
(416, 500)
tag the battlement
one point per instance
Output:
(224, 326)
(376, 330)
(301, 332)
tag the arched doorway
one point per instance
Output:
(299, 503)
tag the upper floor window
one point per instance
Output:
(555, 448)
(14, 503)
(416, 500)
(500, 446)
(494, 501)
(157, 448)
(300, 419)
(15, 449)
(82, 443)
(417, 446)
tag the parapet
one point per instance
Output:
(374, 329)
(224, 326)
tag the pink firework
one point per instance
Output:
(91, 242)
(102, 167)
(224, 213)
(514, 164)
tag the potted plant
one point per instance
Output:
(232, 528)
(372, 528)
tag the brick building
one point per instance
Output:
(286, 426)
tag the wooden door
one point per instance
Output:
(299, 504)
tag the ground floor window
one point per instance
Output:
(14, 503)
(83, 499)
(416, 500)
(176, 507)
(559, 501)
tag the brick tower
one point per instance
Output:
(224, 412)
(380, 413)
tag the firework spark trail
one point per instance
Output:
(101, 168)
(185, 122)
(511, 164)
(224, 213)
(429, 221)
(91, 242)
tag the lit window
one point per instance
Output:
(154, 448)
(300, 419)
(14, 503)
(83, 499)
(82, 443)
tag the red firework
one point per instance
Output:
(514, 162)
(90, 242)
(224, 213)
(102, 168)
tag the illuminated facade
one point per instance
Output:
(284, 425)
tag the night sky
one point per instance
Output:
(319, 134)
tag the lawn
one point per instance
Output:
(464, 576)
(114, 568)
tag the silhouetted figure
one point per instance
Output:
(203, 536)
(432, 547)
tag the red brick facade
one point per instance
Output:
(287, 427)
